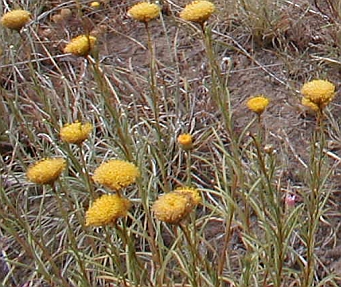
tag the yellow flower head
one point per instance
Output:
(15, 19)
(81, 46)
(193, 193)
(319, 92)
(95, 4)
(185, 141)
(46, 171)
(197, 11)
(173, 207)
(309, 104)
(75, 133)
(116, 174)
(258, 104)
(144, 11)
(107, 209)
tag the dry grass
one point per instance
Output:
(245, 233)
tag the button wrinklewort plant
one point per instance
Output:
(81, 46)
(144, 12)
(46, 171)
(15, 19)
(106, 210)
(116, 174)
(176, 187)
(317, 95)
(75, 133)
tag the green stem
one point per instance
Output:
(313, 201)
(153, 82)
(188, 168)
(195, 280)
(71, 235)
(108, 90)
(115, 256)
(28, 244)
(135, 268)
(86, 174)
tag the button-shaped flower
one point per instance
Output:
(95, 4)
(185, 141)
(173, 207)
(144, 12)
(106, 210)
(75, 133)
(81, 46)
(46, 171)
(258, 104)
(15, 19)
(319, 92)
(116, 174)
(198, 11)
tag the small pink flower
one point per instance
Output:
(290, 200)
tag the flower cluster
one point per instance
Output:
(185, 141)
(106, 210)
(258, 104)
(75, 133)
(173, 207)
(15, 19)
(81, 46)
(46, 171)
(116, 174)
(319, 93)
(198, 11)
(144, 12)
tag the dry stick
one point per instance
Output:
(33, 61)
